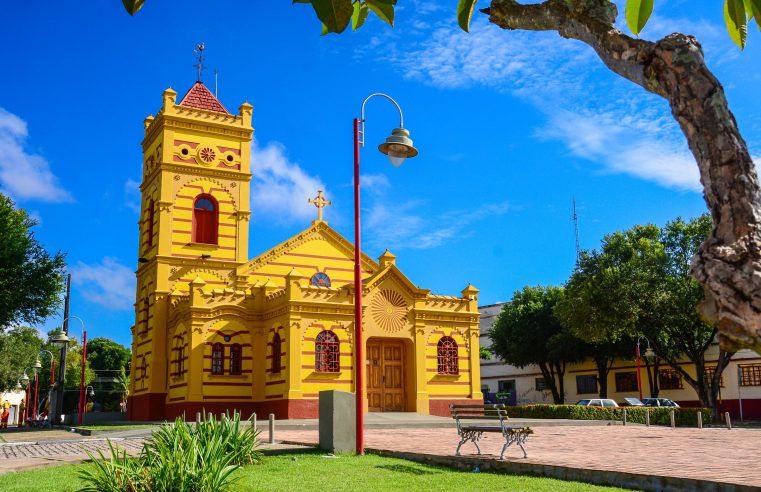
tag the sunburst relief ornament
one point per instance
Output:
(389, 311)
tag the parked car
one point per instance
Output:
(597, 402)
(631, 402)
(660, 402)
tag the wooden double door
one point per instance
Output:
(385, 376)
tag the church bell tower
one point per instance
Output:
(193, 223)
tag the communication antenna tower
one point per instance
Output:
(216, 82)
(575, 219)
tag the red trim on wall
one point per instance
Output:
(441, 407)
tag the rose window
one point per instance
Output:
(207, 155)
(389, 311)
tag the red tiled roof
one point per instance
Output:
(200, 97)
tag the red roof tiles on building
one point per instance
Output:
(200, 97)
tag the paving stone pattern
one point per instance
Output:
(728, 456)
(57, 449)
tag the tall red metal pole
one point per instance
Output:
(52, 373)
(639, 379)
(359, 357)
(34, 410)
(82, 379)
(26, 408)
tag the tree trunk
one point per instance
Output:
(560, 371)
(728, 264)
(652, 377)
(602, 376)
(549, 379)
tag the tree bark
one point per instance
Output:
(728, 264)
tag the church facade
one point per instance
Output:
(217, 331)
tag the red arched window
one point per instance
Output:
(326, 352)
(236, 360)
(217, 359)
(205, 219)
(149, 241)
(446, 353)
(276, 352)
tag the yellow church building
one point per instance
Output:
(217, 331)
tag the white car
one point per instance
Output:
(597, 402)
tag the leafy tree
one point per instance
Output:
(104, 354)
(639, 284)
(18, 349)
(31, 280)
(528, 332)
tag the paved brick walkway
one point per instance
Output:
(24, 456)
(709, 454)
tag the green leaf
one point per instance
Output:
(133, 6)
(334, 14)
(465, 13)
(753, 7)
(637, 14)
(384, 9)
(737, 21)
(359, 16)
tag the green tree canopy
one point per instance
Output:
(31, 280)
(18, 349)
(528, 332)
(104, 354)
(639, 284)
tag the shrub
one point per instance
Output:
(658, 415)
(179, 457)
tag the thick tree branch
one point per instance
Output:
(729, 262)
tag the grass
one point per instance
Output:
(311, 471)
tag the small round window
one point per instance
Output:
(320, 280)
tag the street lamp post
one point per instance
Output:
(397, 147)
(61, 338)
(24, 379)
(649, 355)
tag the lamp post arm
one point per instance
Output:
(362, 114)
(78, 319)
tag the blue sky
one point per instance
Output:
(510, 127)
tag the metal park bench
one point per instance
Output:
(474, 420)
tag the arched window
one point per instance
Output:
(236, 360)
(446, 353)
(205, 219)
(149, 241)
(326, 352)
(217, 359)
(276, 351)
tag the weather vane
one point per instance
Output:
(199, 53)
(320, 202)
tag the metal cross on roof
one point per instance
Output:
(320, 202)
(199, 53)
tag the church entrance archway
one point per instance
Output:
(386, 375)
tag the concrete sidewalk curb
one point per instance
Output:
(627, 480)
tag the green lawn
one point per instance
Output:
(311, 471)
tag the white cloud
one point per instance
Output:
(280, 187)
(132, 195)
(374, 183)
(404, 227)
(630, 146)
(24, 175)
(599, 116)
(109, 283)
